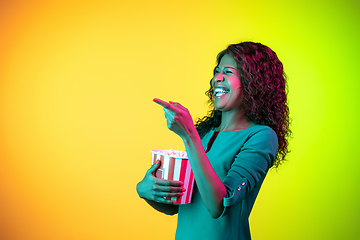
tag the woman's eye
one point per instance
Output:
(228, 72)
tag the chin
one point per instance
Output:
(219, 106)
(221, 109)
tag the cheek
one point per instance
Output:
(236, 96)
(236, 86)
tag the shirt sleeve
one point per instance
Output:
(250, 166)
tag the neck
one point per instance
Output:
(233, 121)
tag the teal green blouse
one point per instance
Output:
(241, 159)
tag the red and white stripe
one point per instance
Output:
(178, 169)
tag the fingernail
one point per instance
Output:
(154, 100)
(183, 189)
(181, 194)
(181, 184)
(170, 102)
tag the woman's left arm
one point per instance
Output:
(211, 188)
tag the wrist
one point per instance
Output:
(191, 135)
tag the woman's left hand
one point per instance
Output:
(178, 118)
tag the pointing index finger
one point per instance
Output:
(162, 103)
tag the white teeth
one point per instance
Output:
(218, 92)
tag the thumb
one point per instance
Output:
(154, 167)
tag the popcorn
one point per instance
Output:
(174, 165)
(172, 153)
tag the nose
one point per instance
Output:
(219, 78)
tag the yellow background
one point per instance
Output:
(77, 121)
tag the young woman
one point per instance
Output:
(231, 150)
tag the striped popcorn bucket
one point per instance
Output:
(177, 168)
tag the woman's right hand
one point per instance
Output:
(158, 190)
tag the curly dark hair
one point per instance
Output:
(264, 87)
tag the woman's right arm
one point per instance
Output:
(154, 191)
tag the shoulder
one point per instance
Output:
(263, 137)
(262, 131)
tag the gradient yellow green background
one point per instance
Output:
(77, 121)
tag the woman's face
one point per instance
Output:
(226, 84)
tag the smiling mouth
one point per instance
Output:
(220, 91)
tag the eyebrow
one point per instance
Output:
(226, 67)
